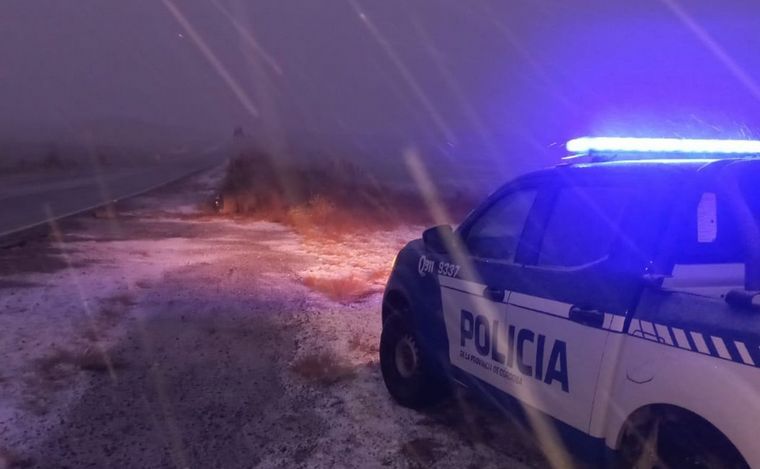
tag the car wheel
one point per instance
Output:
(407, 371)
(668, 441)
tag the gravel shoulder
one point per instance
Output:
(164, 336)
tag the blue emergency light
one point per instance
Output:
(628, 145)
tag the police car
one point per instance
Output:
(611, 302)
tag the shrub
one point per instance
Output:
(325, 368)
(331, 199)
(342, 289)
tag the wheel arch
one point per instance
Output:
(649, 411)
(680, 415)
(395, 300)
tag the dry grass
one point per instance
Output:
(106, 212)
(61, 363)
(342, 289)
(325, 368)
(35, 256)
(422, 452)
(110, 316)
(329, 200)
(55, 372)
(123, 299)
(379, 275)
(10, 459)
(363, 344)
(111, 313)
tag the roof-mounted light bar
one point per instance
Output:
(598, 145)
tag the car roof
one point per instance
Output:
(680, 166)
(649, 170)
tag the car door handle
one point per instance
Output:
(587, 316)
(494, 294)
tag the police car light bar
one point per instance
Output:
(591, 145)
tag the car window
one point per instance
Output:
(583, 225)
(496, 234)
(724, 245)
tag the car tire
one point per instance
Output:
(667, 441)
(408, 372)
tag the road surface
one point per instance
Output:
(27, 203)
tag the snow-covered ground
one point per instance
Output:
(166, 336)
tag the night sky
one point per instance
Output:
(469, 79)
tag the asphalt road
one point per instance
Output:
(32, 202)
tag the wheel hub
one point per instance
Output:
(407, 357)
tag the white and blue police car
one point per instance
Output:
(612, 302)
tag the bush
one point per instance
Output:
(343, 289)
(334, 198)
(325, 368)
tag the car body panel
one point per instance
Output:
(588, 345)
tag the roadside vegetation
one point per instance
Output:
(337, 208)
(344, 289)
(330, 199)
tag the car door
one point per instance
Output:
(474, 301)
(532, 319)
(576, 287)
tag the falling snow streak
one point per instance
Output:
(216, 64)
(249, 38)
(517, 45)
(712, 45)
(404, 71)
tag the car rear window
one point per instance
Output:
(726, 241)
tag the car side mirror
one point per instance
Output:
(439, 238)
(742, 299)
(652, 280)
